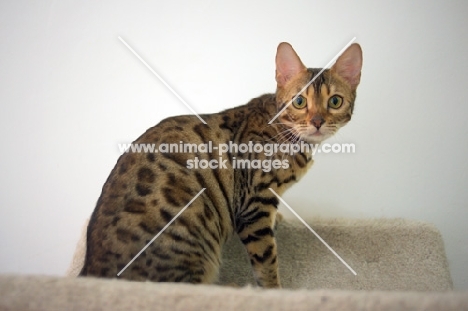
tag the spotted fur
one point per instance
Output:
(146, 190)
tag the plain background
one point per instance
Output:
(70, 91)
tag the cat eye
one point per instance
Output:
(335, 102)
(300, 102)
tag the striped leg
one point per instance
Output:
(257, 235)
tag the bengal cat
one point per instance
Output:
(146, 190)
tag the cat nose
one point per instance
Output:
(317, 121)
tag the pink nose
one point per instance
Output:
(317, 121)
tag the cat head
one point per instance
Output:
(327, 104)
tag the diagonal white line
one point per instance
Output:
(315, 233)
(313, 79)
(161, 79)
(159, 233)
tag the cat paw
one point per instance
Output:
(278, 219)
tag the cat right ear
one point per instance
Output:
(288, 64)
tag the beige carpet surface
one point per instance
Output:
(387, 254)
(34, 293)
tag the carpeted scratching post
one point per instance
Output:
(387, 254)
(400, 265)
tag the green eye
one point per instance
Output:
(300, 102)
(335, 102)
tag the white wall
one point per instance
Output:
(70, 91)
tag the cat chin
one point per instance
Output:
(314, 142)
(315, 139)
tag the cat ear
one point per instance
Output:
(349, 65)
(288, 64)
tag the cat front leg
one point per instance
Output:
(278, 219)
(256, 232)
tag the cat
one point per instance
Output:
(145, 191)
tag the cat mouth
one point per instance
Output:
(316, 137)
(317, 134)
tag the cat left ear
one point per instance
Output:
(288, 64)
(349, 65)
